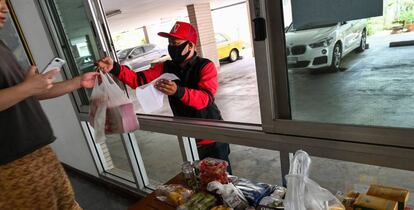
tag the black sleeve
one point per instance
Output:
(116, 69)
(180, 92)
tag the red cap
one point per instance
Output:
(182, 30)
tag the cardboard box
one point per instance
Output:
(367, 202)
(390, 193)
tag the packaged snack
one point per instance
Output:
(213, 170)
(173, 194)
(254, 191)
(390, 193)
(367, 202)
(199, 201)
(271, 202)
(279, 192)
(348, 200)
(232, 196)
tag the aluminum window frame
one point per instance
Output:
(277, 132)
(280, 99)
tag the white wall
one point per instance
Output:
(70, 146)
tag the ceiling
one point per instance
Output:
(138, 13)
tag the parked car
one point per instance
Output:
(86, 63)
(227, 48)
(324, 46)
(141, 56)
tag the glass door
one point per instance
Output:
(79, 31)
(81, 38)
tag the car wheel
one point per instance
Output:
(363, 43)
(234, 55)
(336, 57)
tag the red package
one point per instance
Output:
(213, 170)
(121, 119)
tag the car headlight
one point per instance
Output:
(323, 43)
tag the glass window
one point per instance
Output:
(343, 176)
(148, 48)
(237, 95)
(128, 39)
(252, 163)
(113, 157)
(353, 68)
(220, 39)
(137, 52)
(123, 54)
(256, 164)
(161, 155)
(237, 92)
(77, 35)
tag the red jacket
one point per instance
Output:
(195, 90)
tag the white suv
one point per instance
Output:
(324, 46)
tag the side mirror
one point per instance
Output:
(343, 22)
(130, 56)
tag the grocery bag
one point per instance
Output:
(304, 193)
(111, 111)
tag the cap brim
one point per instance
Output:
(168, 35)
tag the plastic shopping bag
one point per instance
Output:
(302, 192)
(110, 111)
(317, 197)
(149, 97)
(97, 110)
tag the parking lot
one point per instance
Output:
(375, 88)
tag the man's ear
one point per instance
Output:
(192, 46)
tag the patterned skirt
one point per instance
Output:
(36, 181)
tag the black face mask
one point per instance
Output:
(176, 51)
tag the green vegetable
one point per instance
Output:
(196, 198)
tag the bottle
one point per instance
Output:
(189, 175)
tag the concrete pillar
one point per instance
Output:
(200, 18)
(144, 29)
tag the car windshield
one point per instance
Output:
(124, 53)
(292, 27)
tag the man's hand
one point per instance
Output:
(87, 80)
(36, 84)
(105, 64)
(167, 87)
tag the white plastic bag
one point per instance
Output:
(302, 192)
(110, 109)
(97, 110)
(317, 197)
(149, 97)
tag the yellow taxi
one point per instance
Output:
(228, 49)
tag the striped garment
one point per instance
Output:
(36, 181)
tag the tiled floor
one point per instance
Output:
(91, 196)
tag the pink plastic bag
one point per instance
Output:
(110, 109)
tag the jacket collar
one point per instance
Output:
(190, 63)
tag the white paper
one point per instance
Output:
(166, 76)
(149, 97)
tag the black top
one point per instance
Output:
(24, 127)
(190, 77)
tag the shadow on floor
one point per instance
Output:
(91, 196)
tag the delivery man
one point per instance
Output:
(191, 96)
